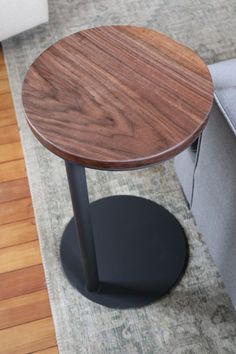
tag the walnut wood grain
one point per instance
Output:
(117, 97)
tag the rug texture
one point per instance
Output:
(197, 317)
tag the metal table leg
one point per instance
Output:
(121, 251)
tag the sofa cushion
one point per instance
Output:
(224, 78)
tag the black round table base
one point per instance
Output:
(141, 250)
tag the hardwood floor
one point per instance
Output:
(26, 324)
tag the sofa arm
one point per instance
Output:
(214, 196)
(19, 15)
(224, 78)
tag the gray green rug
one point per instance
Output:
(197, 317)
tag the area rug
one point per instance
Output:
(197, 317)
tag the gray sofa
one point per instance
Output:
(207, 172)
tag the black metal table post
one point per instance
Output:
(80, 202)
(120, 251)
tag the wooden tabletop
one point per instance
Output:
(117, 97)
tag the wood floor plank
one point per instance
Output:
(9, 134)
(25, 319)
(52, 350)
(4, 86)
(1, 56)
(11, 151)
(16, 210)
(17, 232)
(21, 282)
(12, 170)
(23, 309)
(3, 72)
(35, 335)
(7, 117)
(5, 101)
(13, 190)
(19, 256)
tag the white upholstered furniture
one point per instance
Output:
(19, 15)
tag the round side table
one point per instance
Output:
(118, 98)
